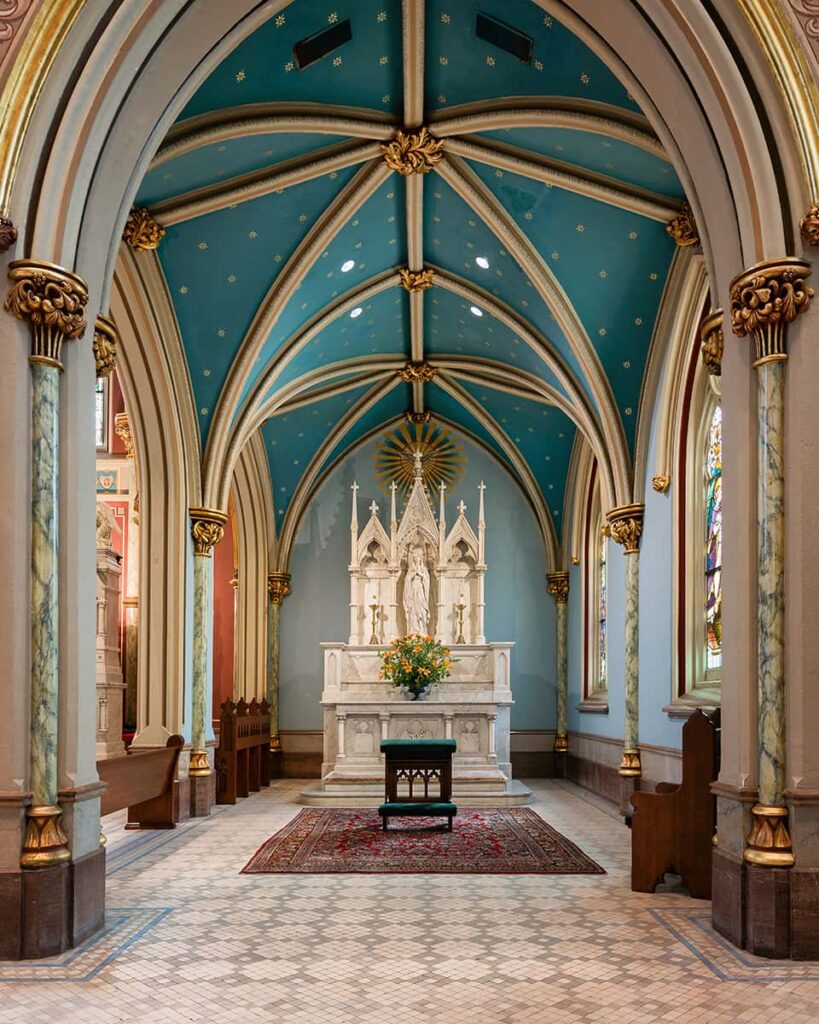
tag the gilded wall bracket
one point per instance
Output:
(143, 232)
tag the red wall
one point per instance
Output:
(223, 619)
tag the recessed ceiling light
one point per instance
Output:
(482, 262)
(347, 265)
(356, 312)
(475, 311)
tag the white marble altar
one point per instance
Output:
(416, 578)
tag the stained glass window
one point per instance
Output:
(101, 409)
(713, 543)
(602, 610)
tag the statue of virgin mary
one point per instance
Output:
(416, 593)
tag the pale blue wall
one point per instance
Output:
(517, 605)
(656, 625)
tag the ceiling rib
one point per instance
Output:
(512, 452)
(294, 509)
(332, 220)
(549, 112)
(270, 119)
(377, 369)
(413, 40)
(255, 184)
(567, 176)
(466, 183)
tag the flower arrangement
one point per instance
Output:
(416, 662)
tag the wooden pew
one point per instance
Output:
(672, 830)
(142, 781)
(243, 754)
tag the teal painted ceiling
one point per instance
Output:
(347, 314)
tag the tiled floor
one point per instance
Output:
(190, 939)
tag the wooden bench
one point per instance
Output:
(672, 830)
(414, 762)
(243, 753)
(142, 780)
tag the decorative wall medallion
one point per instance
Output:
(416, 280)
(142, 230)
(809, 225)
(414, 152)
(442, 458)
(683, 229)
(8, 234)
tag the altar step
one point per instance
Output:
(371, 794)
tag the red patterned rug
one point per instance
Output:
(513, 841)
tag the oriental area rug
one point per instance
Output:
(485, 841)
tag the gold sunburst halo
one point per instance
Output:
(442, 457)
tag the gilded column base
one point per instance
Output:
(199, 766)
(275, 742)
(561, 744)
(630, 766)
(769, 842)
(44, 844)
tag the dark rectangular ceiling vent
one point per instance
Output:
(308, 51)
(504, 37)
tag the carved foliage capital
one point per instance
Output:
(626, 523)
(683, 228)
(278, 586)
(765, 298)
(416, 280)
(53, 301)
(417, 373)
(557, 584)
(809, 225)
(122, 428)
(413, 152)
(105, 342)
(207, 529)
(712, 343)
(143, 231)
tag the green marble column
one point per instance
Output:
(278, 587)
(764, 300)
(207, 528)
(626, 523)
(558, 587)
(53, 301)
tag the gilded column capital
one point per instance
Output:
(712, 343)
(106, 339)
(278, 586)
(766, 297)
(416, 280)
(8, 234)
(626, 523)
(53, 300)
(412, 152)
(557, 584)
(809, 226)
(207, 529)
(417, 373)
(143, 232)
(122, 428)
(683, 228)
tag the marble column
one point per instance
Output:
(626, 523)
(53, 301)
(558, 587)
(207, 528)
(278, 587)
(764, 299)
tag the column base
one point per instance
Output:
(630, 767)
(49, 910)
(561, 745)
(199, 766)
(276, 761)
(45, 844)
(202, 794)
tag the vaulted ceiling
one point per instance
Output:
(544, 223)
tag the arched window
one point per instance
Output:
(595, 600)
(713, 544)
(602, 608)
(101, 412)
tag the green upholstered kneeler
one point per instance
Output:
(415, 761)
